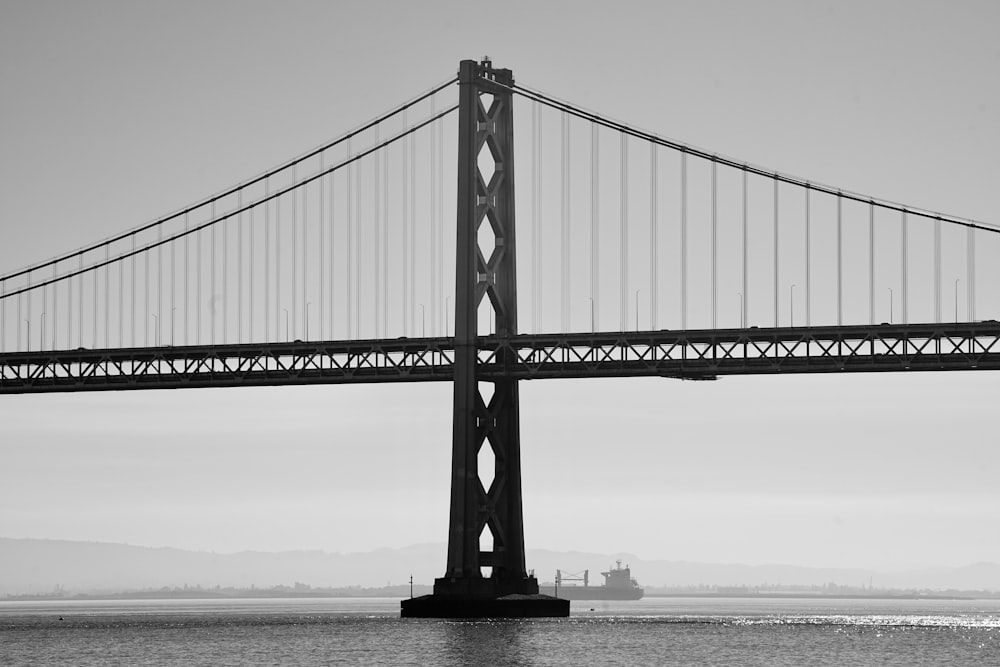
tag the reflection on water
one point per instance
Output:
(667, 631)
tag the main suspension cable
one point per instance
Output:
(736, 164)
(253, 181)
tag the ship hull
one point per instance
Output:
(592, 592)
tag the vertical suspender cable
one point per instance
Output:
(684, 288)
(93, 341)
(871, 263)
(322, 247)
(239, 270)
(623, 249)
(904, 268)
(27, 320)
(69, 315)
(715, 244)
(267, 262)
(132, 292)
(536, 134)
(440, 222)
(187, 279)
(435, 287)
(121, 303)
(146, 283)
(173, 287)
(107, 297)
(159, 283)
(27, 333)
(808, 264)
(377, 235)
(937, 270)
(840, 264)
(411, 213)
(349, 296)
(595, 244)
(564, 286)
(3, 315)
(331, 220)
(745, 295)
(20, 318)
(80, 309)
(405, 217)
(404, 271)
(385, 242)
(44, 315)
(357, 250)
(198, 293)
(55, 306)
(295, 257)
(970, 279)
(433, 217)
(653, 242)
(277, 273)
(305, 258)
(211, 267)
(250, 276)
(776, 264)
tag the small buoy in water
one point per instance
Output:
(591, 609)
(60, 618)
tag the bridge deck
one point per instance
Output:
(691, 354)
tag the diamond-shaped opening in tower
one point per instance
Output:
(486, 390)
(486, 539)
(486, 99)
(487, 240)
(487, 162)
(486, 320)
(487, 465)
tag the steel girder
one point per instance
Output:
(696, 355)
(706, 354)
(271, 364)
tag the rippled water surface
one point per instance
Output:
(655, 631)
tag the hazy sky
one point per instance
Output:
(116, 112)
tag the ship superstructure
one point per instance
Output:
(618, 585)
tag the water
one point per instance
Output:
(653, 631)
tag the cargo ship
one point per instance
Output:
(618, 585)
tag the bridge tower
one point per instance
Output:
(486, 134)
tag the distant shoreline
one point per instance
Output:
(403, 592)
(820, 596)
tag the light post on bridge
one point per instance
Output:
(423, 321)
(447, 328)
(41, 334)
(740, 296)
(287, 337)
(591, 314)
(890, 305)
(309, 303)
(156, 329)
(173, 311)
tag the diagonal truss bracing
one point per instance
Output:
(693, 355)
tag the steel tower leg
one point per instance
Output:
(485, 277)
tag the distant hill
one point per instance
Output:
(39, 566)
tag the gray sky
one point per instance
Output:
(115, 113)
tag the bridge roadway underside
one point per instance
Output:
(691, 355)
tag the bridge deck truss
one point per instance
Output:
(692, 355)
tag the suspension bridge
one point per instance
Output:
(641, 256)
